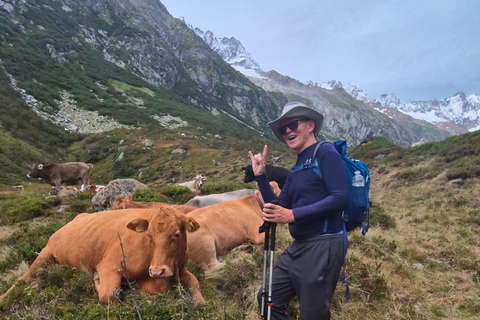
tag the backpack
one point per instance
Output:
(357, 209)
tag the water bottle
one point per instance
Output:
(358, 180)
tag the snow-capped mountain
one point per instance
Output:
(464, 111)
(456, 114)
(232, 51)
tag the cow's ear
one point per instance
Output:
(138, 225)
(40, 166)
(128, 197)
(192, 225)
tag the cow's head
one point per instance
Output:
(35, 172)
(249, 176)
(199, 180)
(119, 203)
(167, 232)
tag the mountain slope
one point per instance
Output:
(130, 61)
(347, 118)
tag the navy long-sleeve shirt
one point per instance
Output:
(316, 202)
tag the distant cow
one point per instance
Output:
(94, 189)
(127, 203)
(64, 191)
(419, 143)
(56, 173)
(276, 159)
(203, 201)
(18, 187)
(195, 184)
(154, 243)
(224, 226)
(273, 173)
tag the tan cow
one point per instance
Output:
(154, 242)
(126, 203)
(195, 184)
(225, 225)
(66, 191)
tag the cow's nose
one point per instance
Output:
(160, 272)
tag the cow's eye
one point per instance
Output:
(148, 235)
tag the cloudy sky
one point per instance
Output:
(419, 50)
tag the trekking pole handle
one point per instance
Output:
(273, 227)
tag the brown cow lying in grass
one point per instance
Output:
(225, 226)
(154, 242)
(127, 203)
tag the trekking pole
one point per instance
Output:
(273, 226)
(264, 228)
(272, 252)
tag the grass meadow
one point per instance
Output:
(419, 260)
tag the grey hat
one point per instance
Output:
(296, 109)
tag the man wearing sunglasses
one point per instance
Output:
(310, 267)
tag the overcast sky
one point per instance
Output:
(419, 50)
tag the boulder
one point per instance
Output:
(116, 188)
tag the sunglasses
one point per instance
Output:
(292, 125)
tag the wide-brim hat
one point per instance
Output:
(296, 109)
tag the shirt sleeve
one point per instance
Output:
(267, 193)
(335, 178)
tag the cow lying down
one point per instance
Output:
(126, 203)
(154, 242)
(225, 226)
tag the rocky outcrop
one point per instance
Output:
(103, 200)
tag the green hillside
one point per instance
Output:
(418, 260)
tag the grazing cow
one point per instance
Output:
(195, 184)
(56, 173)
(225, 226)
(274, 173)
(127, 203)
(203, 201)
(154, 244)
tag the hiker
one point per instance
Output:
(310, 267)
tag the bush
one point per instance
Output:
(378, 217)
(22, 209)
(147, 195)
(25, 244)
(177, 194)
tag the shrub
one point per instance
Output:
(22, 209)
(379, 218)
(25, 244)
(147, 195)
(177, 194)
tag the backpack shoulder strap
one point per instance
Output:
(316, 166)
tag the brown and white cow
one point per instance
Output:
(56, 173)
(154, 242)
(225, 226)
(127, 203)
(95, 188)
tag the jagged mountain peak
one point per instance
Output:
(230, 49)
